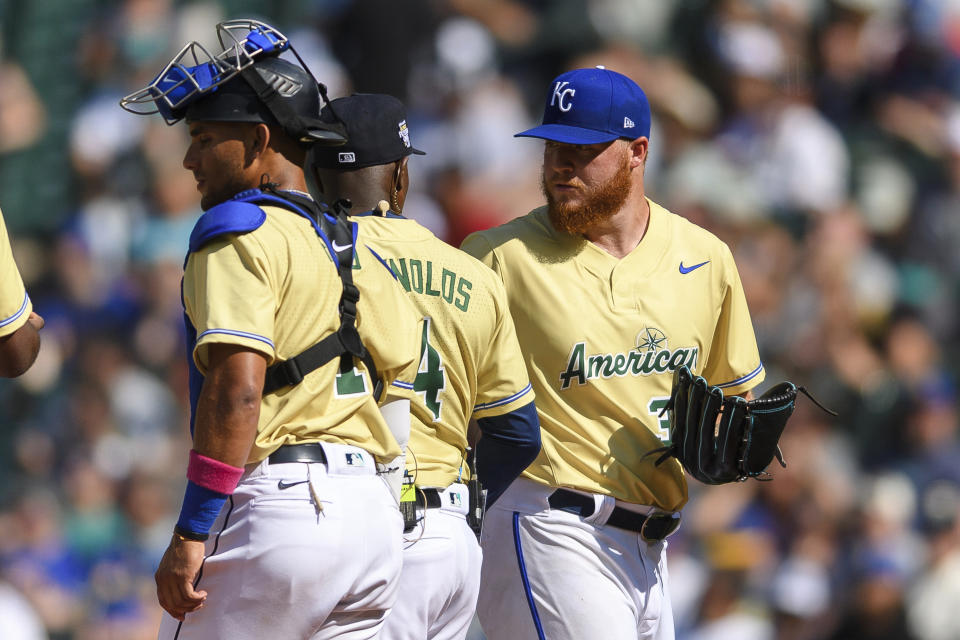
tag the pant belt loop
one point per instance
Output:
(603, 508)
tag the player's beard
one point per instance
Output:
(596, 204)
(223, 190)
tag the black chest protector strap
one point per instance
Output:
(345, 342)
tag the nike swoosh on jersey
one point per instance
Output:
(286, 485)
(684, 269)
(340, 247)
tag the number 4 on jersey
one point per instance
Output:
(431, 379)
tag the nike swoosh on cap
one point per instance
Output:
(286, 485)
(684, 269)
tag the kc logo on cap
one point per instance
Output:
(592, 106)
(562, 92)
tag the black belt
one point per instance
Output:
(429, 498)
(656, 526)
(307, 452)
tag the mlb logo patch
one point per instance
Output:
(455, 500)
(354, 459)
(346, 157)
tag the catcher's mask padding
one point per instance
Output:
(272, 91)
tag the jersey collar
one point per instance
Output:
(641, 261)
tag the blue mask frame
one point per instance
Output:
(194, 72)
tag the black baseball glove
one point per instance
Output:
(721, 439)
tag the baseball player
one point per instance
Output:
(286, 529)
(610, 293)
(470, 366)
(19, 325)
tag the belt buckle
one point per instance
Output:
(659, 525)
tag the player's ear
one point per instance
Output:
(400, 174)
(259, 139)
(638, 151)
(401, 181)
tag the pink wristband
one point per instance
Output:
(213, 474)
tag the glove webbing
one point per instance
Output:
(777, 402)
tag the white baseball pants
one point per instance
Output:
(280, 567)
(441, 574)
(550, 575)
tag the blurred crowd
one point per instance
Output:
(819, 138)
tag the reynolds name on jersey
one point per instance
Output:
(449, 286)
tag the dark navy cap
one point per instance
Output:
(377, 132)
(590, 106)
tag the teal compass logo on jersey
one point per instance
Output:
(650, 354)
(651, 339)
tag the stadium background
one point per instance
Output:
(819, 138)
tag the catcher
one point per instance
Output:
(303, 353)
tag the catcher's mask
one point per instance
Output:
(246, 82)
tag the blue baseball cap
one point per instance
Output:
(590, 106)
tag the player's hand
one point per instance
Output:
(36, 320)
(175, 577)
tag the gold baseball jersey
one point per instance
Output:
(602, 336)
(15, 305)
(470, 363)
(276, 290)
